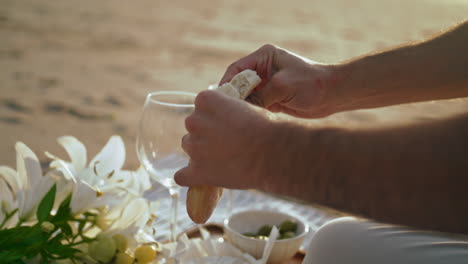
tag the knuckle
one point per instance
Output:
(268, 47)
(278, 83)
(187, 144)
(191, 123)
(182, 175)
(203, 98)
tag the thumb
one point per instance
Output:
(267, 96)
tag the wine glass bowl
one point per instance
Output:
(160, 130)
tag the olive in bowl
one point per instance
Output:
(287, 229)
(259, 223)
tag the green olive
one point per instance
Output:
(264, 230)
(288, 226)
(249, 234)
(288, 234)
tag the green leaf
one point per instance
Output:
(89, 214)
(45, 258)
(56, 250)
(66, 229)
(13, 237)
(10, 256)
(64, 211)
(23, 241)
(43, 211)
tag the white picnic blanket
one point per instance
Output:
(241, 200)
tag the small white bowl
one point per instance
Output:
(252, 220)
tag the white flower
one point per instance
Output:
(27, 185)
(102, 185)
(115, 196)
(103, 181)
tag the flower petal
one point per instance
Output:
(64, 185)
(29, 176)
(28, 166)
(111, 157)
(7, 203)
(123, 180)
(67, 170)
(76, 151)
(132, 214)
(6, 197)
(11, 177)
(86, 197)
(83, 197)
(144, 179)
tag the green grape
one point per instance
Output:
(120, 242)
(264, 230)
(103, 249)
(288, 226)
(123, 258)
(145, 254)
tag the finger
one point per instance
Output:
(193, 123)
(260, 61)
(187, 176)
(248, 62)
(207, 101)
(269, 95)
(185, 144)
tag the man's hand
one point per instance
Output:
(227, 143)
(290, 84)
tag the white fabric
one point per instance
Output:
(350, 240)
(241, 200)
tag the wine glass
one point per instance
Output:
(159, 150)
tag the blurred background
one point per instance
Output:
(83, 68)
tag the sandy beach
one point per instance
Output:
(83, 68)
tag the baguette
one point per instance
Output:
(202, 200)
(245, 82)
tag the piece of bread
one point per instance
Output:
(202, 200)
(245, 82)
(241, 85)
(229, 90)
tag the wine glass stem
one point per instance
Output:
(174, 210)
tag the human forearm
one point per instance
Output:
(415, 176)
(431, 70)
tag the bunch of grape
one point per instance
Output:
(114, 249)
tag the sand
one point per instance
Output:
(83, 68)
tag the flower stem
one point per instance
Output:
(8, 216)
